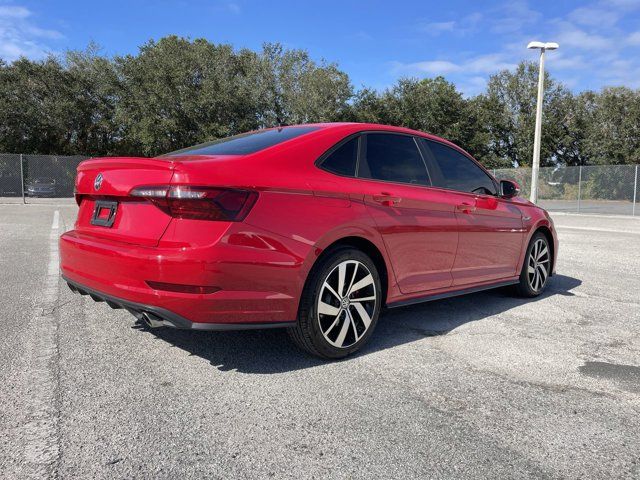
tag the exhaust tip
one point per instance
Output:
(151, 320)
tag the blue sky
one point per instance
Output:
(375, 42)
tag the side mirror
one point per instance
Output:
(509, 188)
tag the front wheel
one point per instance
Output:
(537, 267)
(340, 305)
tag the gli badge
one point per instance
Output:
(97, 183)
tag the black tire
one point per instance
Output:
(308, 332)
(528, 287)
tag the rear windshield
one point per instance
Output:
(245, 143)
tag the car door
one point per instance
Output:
(418, 225)
(491, 231)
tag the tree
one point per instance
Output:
(95, 88)
(432, 105)
(177, 93)
(368, 107)
(291, 88)
(612, 126)
(36, 104)
(511, 99)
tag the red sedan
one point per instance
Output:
(314, 228)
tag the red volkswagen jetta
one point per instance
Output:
(313, 227)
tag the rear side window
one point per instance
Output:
(245, 143)
(394, 158)
(455, 171)
(343, 159)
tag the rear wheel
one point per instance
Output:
(537, 267)
(340, 305)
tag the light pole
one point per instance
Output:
(536, 141)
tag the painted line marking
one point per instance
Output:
(56, 220)
(40, 432)
(593, 229)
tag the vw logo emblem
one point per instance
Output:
(98, 182)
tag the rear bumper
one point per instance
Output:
(259, 278)
(161, 317)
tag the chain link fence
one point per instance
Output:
(35, 178)
(606, 189)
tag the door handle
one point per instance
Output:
(466, 208)
(386, 199)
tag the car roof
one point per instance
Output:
(354, 127)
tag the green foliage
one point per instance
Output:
(611, 126)
(290, 88)
(177, 92)
(511, 101)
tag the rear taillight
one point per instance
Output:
(199, 203)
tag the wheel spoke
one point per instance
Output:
(365, 282)
(353, 326)
(343, 319)
(363, 299)
(534, 279)
(333, 292)
(542, 253)
(543, 273)
(343, 331)
(333, 324)
(342, 271)
(326, 309)
(362, 313)
(353, 278)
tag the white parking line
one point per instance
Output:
(593, 229)
(56, 220)
(40, 432)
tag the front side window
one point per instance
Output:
(245, 143)
(393, 158)
(343, 159)
(455, 171)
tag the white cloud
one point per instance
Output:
(622, 4)
(435, 28)
(472, 86)
(512, 17)
(233, 7)
(434, 67)
(568, 35)
(20, 36)
(462, 26)
(360, 36)
(13, 11)
(634, 39)
(227, 7)
(480, 64)
(596, 47)
(594, 16)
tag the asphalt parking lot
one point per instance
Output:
(480, 386)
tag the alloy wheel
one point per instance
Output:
(346, 303)
(538, 265)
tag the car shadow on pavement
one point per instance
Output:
(270, 351)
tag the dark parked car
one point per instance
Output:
(41, 187)
(10, 184)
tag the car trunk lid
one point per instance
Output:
(106, 183)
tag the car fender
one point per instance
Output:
(531, 226)
(359, 230)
